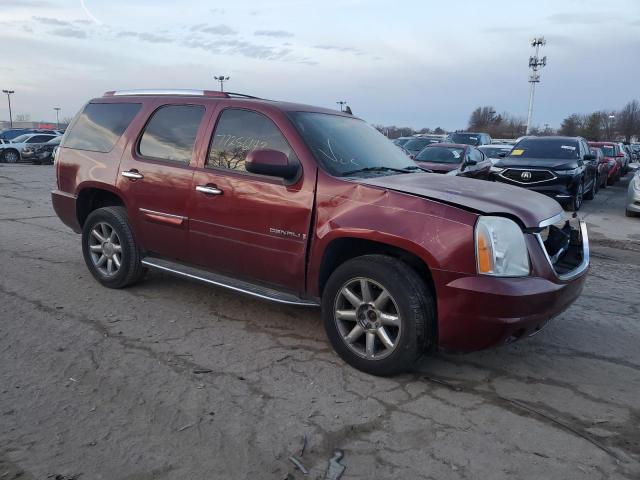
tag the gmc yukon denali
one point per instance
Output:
(313, 207)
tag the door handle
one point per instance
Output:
(132, 174)
(208, 190)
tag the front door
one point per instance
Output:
(250, 226)
(155, 177)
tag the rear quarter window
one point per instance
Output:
(100, 125)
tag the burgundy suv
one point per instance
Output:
(306, 206)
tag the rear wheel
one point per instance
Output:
(109, 249)
(378, 314)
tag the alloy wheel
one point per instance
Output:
(105, 249)
(11, 156)
(579, 195)
(368, 318)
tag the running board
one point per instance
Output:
(240, 286)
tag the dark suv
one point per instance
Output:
(561, 167)
(308, 206)
(470, 138)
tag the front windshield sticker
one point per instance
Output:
(456, 153)
(473, 138)
(517, 151)
(568, 147)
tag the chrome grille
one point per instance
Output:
(525, 176)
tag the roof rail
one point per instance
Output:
(178, 92)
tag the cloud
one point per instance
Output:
(220, 29)
(577, 18)
(51, 21)
(146, 37)
(273, 33)
(220, 11)
(337, 48)
(69, 32)
(246, 49)
(23, 3)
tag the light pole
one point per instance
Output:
(342, 104)
(610, 126)
(57, 109)
(221, 79)
(535, 64)
(9, 92)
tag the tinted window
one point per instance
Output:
(240, 131)
(171, 133)
(551, 148)
(21, 138)
(100, 125)
(417, 144)
(475, 154)
(441, 155)
(40, 139)
(465, 138)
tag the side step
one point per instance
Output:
(247, 288)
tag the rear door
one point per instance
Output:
(156, 173)
(253, 227)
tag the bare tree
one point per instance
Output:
(571, 125)
(629, 120)
(483, 118)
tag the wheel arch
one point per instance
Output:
(93, 196)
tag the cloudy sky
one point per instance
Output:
(417, 63)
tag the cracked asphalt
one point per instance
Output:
(172, 379)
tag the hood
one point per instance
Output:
(438, 167)
(543, 163)
(476, 195)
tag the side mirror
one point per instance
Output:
(270, 162)
(589, 156)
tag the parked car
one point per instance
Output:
(495, 151)
(608, 149)
(635, 148)
(560, 167)
(469, 138)
(12, 133)
(416, 144)
(625, 157)
(453, 159)
(308, 206)
(44, 153)
(402, 140)
(633, 195)
(603, 167)
(12, 152)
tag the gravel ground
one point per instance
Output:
(176, 380)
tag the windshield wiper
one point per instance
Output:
(408, 169)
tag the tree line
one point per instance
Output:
(600, 125)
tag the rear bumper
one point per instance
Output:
(64, 204)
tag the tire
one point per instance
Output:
(590, 195)
(410, 302)
(10, 156)
(629, 213)
(578, 198)
(119, 249)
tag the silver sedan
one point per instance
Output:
(633, 195)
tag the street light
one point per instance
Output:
(57, 109)
(9, 92)
(221, 79)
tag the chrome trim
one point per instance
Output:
(551, 220)
(177, 91)
(162, 214)
(132, 175)
(576, 272)
(506, 169)
(208, 190)
(301, 303)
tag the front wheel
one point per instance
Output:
(592, 191)
(109, 249)
(578, 197)
(378, 314)
(10, 156)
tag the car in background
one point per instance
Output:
(454, 159)
(416, 144)
(43, 153)
(635, 149)
(633, 196)
(612, 151)
(625, 157)
(402, 140)
(12, 152)
(469, 138)
(495, 152)
(603, 167)
(12, 133)
(562, 168)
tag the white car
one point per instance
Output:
(633, 195)
(12, 152)
(495, 152)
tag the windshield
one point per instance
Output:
(417, 144)
(608, 150)
(494, 152)
(551, 148)
(347, 146)
(22, 138)
(54, 141)
(441, 155)
(466, 138)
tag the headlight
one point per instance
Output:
(573, 171)
(495, 169)
(500, 248)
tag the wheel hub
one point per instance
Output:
(107, 249)
(368, 317)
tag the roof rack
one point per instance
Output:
(176, 92)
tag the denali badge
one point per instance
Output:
(287, 233)
(525, 175)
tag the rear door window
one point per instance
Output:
(100, 125)
(171, 133)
